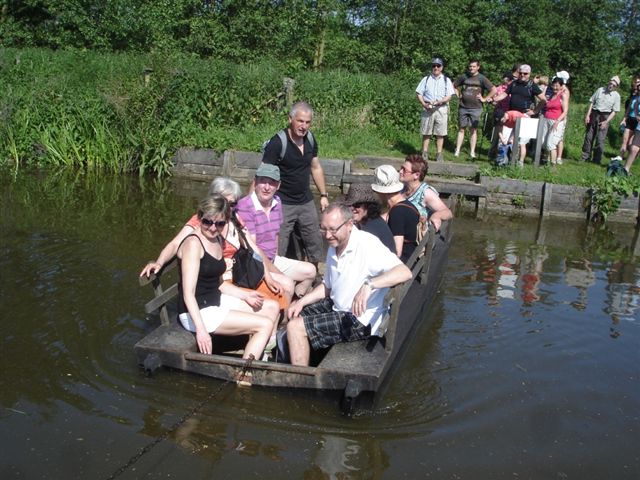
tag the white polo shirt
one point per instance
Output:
(365, 256)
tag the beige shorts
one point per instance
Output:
(434, 121)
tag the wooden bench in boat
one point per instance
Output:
(353, 367)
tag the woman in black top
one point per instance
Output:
(403, 218)
(366, 209)
(201, 307)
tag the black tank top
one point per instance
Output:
(208, 283)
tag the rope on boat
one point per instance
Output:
(147, 448)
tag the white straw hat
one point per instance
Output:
(387, 180)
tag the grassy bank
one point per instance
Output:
(80, 109)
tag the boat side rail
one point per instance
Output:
(162, 294)
(419, 263)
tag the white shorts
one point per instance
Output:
(553, 137)
(287, 265)
(213, 316)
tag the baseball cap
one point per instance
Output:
(268, 170)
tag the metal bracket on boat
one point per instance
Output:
(151, 363)
(351, 393)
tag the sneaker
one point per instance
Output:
(439, 157)
(425, 155)
(618, 158)
(456, 153)
(473, 156)
(559, 161)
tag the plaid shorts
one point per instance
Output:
(326, 327)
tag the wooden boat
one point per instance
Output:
(353, 368)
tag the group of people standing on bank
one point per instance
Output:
(519, 95)
(367, 249)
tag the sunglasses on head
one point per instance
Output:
(209, 223)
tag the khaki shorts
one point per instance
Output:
(434, 122)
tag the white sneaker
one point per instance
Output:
(618, 158)
(473, 155)
(456, 153)
(559, 161)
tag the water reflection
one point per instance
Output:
(528, 364)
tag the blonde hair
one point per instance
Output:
(213, 205)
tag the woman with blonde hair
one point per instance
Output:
(202, 307)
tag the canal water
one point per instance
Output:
(527, 366)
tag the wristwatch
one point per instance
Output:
(325, 195)
(368, 283)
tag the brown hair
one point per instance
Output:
(418, 164)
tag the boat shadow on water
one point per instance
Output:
(354, 370)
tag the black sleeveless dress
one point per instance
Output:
(208, 283)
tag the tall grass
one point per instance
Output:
(89, 110)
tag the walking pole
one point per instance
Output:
(484, 127)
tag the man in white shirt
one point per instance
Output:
(603, 106)
(434, 92)
(349, 303)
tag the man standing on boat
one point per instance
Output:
(297, 159)
(349, 303)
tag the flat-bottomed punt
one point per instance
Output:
(352, 368)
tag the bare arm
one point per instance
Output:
(167, 253)
(191, 253)
(399, 242)
(252, 298)
(440, 210)
(317, 173)
(318, 293)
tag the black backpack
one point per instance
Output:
(282, 135)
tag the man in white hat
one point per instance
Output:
(603, 106)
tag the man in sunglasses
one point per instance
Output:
(262, 215)
(603, 106)
(526, 97)
(349, 303)
(434, 92)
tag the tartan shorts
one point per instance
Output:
(326, 327)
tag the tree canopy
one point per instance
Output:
(592, 39)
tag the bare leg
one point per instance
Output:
(459, 141)
(473, 139)
(299, 347)
(625, 142)
(633, 153)
(259, 327)
(425, 143)
(560, 149)
(439, 144)
(523, 154)
(287, 284)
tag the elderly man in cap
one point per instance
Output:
(603, 106)
(523, 95)
(366, 210)
(434, 92)
(349, 303)
(261, 214)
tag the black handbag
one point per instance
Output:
(247, 270)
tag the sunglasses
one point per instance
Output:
(359, 205)
(209, 223)
(435, 65)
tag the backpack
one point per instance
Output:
(616, 169)
(282, 135)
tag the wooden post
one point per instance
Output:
(545, 204)
(146, 75)
(539, 140)
(515, 146)
(288, 84)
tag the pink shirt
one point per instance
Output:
(553, 108)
